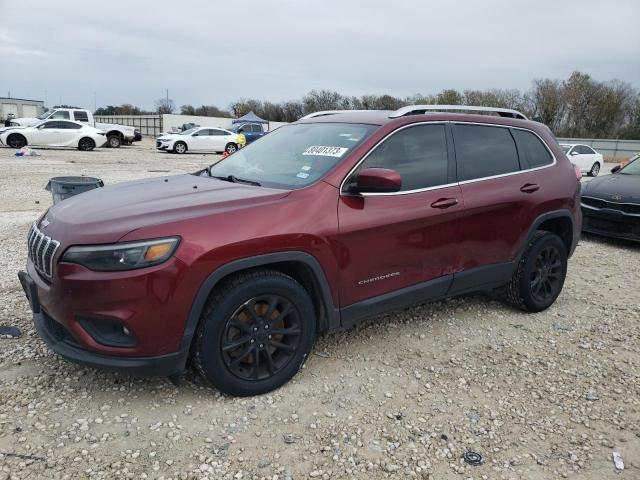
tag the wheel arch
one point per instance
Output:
(559, 222)
(118, 133)
(301, 266)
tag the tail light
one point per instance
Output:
(578, 172)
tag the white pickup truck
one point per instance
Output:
(116, 134)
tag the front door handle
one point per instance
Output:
(445, 203)
(530, 187)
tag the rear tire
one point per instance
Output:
(540, 275)
(595, 170)
(86, 144)
(255, 333)
(180, 147)
(231, 148)
(15, 140)
(114, 141)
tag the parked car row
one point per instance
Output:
(116, 135)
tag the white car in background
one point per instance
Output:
(54, 133)
(199, 139)
(584, 157)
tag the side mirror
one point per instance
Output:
(615, 169)
(574, 153)
(378, 180)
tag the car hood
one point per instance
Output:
(27, 121)
(625, 188)
(105, 215)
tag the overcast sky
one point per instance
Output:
(211, 52)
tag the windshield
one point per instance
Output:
(190, 131)
(294, 155)
(43, 115)
(632, 168)
(565, 148)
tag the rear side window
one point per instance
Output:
(68, 125)
(80, 116)
(532, 149)
(418, 154)
(484, 151)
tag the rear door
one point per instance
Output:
(500, 197)
(389, 241)
(219, 139)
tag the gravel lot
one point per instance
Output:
(541, 396)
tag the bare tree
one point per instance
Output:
(165, 105)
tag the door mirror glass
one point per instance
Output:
(378, 180)
(574, 153)
(615, 169)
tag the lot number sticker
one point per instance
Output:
(325, 151)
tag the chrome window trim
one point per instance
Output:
(436, 187)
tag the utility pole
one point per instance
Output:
(94, 102)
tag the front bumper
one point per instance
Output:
(61, 341)
(164, 146)
(611, 223)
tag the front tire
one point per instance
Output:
(231, 148)
(180, 147)
(540, 275)
(255, 333)
(595, 170)
(86, 144)
(114, 141)
(15, 140)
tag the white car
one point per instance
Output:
(584, 157)
(199, 139)
(54, 133)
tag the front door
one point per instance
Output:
(389, 241)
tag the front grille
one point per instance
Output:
(41, 250)
(628, 208)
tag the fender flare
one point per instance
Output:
(332, 313)
(563, 213)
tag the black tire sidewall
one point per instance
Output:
(209, 342)
(548, 239)
(114, 137)
(17, 135)
(90, 147)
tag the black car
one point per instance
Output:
(611, 204)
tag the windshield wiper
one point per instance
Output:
(234, 179)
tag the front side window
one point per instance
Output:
(631, 168)
(418, 154)
(294, 155)
(49, 125)
(60, 114)
(484, 151)
(533, 150)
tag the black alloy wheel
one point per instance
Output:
(547, 275)
(261, 337)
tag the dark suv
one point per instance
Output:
(322, 223)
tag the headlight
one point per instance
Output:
(122, 256)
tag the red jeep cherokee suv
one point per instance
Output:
(321, 223)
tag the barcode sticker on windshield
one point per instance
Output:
(325, 151)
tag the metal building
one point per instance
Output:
(20, 107)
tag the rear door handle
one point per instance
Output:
(529, 187)
(445, 203)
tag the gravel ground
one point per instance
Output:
(541, 396)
